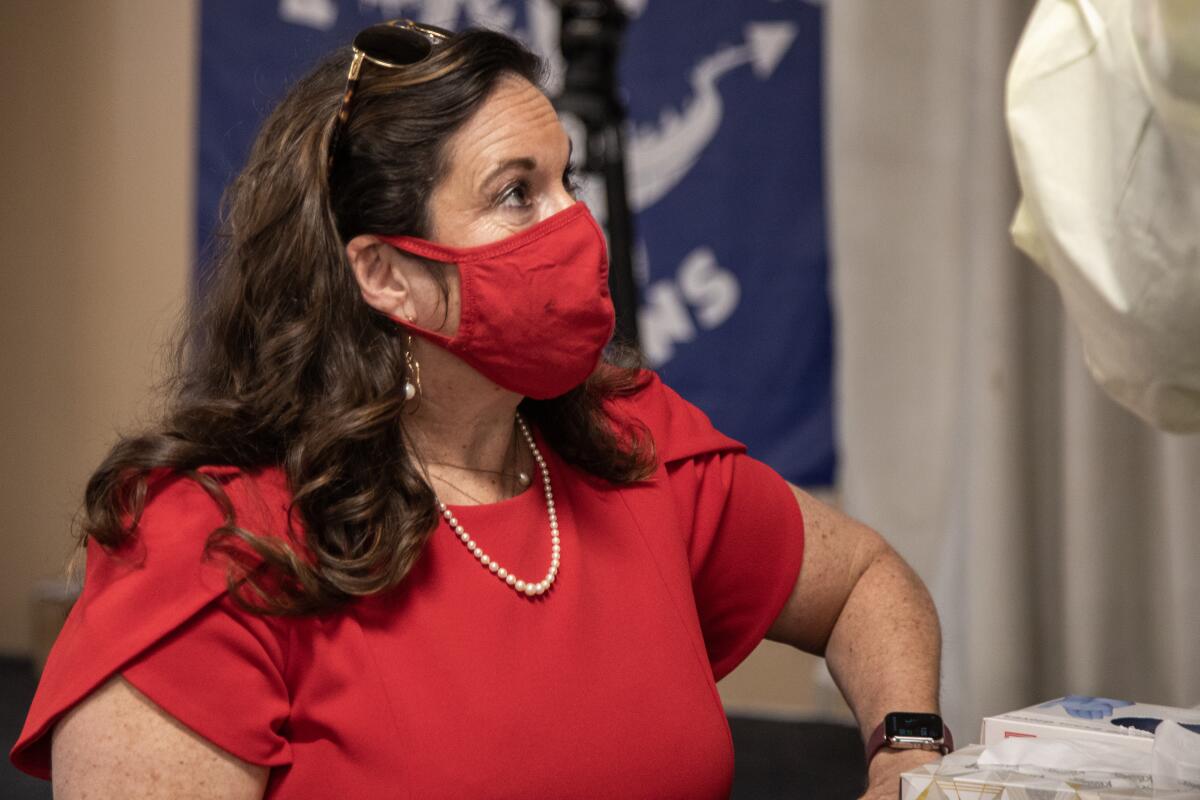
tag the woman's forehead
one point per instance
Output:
(516, 122)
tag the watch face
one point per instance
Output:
(913, 726)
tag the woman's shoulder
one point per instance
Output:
(166, 570)
(160, 579)
(177, 502)
(168, 552)
(247, 490)
(180, 512)
(679, 429)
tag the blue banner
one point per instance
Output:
(725, 164)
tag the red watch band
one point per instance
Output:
(877, 741)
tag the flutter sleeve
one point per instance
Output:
(745, 530)
(157, 612)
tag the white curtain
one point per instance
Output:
(1059, 535)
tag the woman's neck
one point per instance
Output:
(463, 430)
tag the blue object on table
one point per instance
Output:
(1088, 707)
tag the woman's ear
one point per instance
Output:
(382, 276)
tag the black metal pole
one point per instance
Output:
(620, 236)
(590, 41)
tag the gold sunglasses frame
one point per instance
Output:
(432, 34)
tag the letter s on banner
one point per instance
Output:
(700, 282)
(714, 292)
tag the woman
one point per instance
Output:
(402, 532)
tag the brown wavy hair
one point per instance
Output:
(283, 364)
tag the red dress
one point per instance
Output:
(453, 685)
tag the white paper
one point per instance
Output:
(1177, 754)
(1067, 754)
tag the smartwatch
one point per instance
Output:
(910, 730)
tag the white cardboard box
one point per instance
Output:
(958, 777)
(1077, 717)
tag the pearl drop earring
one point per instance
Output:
(412, 383)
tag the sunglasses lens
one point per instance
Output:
(392, 44)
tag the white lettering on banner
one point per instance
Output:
(446, 13)
(662, 322)
(712, 291)
(701, 283)
(489, 13)
(319, 14)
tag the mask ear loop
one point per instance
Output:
(412, 382)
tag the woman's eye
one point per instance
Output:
(515, 196)
(520, 195)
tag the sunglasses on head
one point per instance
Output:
(393, 44)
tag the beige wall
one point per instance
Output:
(95, 220)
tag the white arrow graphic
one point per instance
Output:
(661, 155)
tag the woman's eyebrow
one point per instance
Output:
(527, 163)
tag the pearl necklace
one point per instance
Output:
(527, 588)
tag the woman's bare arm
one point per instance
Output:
(858, 604)
(118, 743)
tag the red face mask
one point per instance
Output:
(535, 308)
